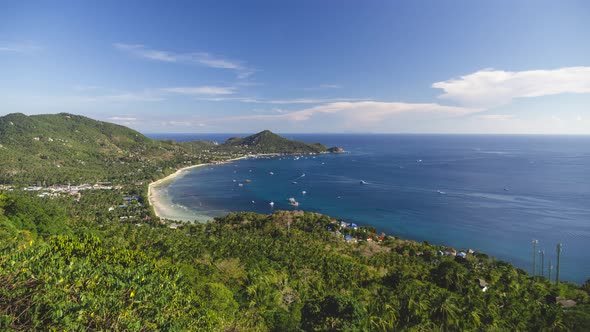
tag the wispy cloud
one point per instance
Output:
(119, 118)
(323, 87)
(284, 101)
(82, 87)
(201, 90)
(496, 117)
(489, 88)
(330, 86)
(97, 99)
(308, 100)
(124, 120)
(120, 98)
(19, 48)
(197, 58)
(362, 113)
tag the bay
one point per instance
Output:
(490, 193)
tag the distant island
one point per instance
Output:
(81, 248)
(266, 142)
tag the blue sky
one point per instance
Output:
(302, 66)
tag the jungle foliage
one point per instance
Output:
(245, 271)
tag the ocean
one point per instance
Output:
(489, 193)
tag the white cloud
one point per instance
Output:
(489, 88)
(121, 98)
(282, 101)
(323, 87)
(201, 90)
(307, 100)
(121, 118)
(496, 117)
(19, 48)
(83, 87)
(199, 58)
(178, 123)
(299, 100)
(373, 111)
(361, 114)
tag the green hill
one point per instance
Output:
(65, 148)
(269, 142)
(49, 149)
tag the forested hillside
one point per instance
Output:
(66, 148)
(63, 148)
(246, 272)
(269, 142)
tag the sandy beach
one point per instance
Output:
(163, 207)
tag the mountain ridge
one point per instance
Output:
(62, 148)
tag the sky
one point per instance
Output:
(510, 67)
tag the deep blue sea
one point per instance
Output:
(491, 193)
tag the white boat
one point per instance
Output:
(441, 192)
(271, 173)
(271, 204)
(293, 202)
(240, 184)
(364, 182)
(304, 192)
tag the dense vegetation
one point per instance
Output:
(282, 272)
(64, 148)
(100, 260)
(268, 142)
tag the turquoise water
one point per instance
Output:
(490, 193)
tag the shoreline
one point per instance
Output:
(163, 208)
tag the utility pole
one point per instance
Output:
(558, 257)
(542, 252)
(534, 255)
